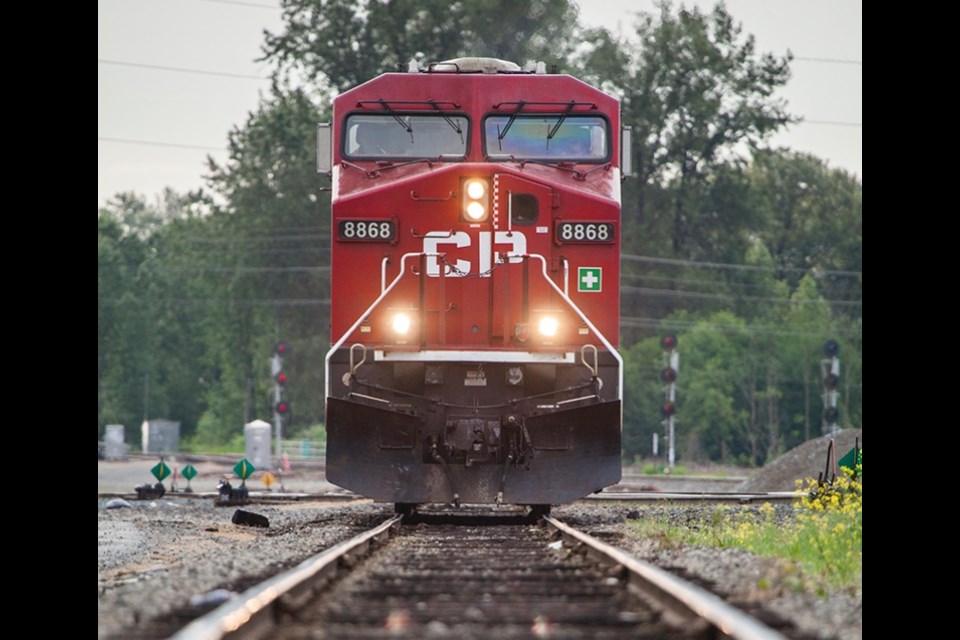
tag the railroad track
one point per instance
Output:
(481, 576)
(263, 497)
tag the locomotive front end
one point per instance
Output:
(475, 288)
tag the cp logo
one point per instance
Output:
(441, 242)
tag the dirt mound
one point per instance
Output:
(804, 461)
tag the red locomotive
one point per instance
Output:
(475, 286)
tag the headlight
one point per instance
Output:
(548, 326)
(476, 189)
(401, 323)
(476, 212)
(475, 206)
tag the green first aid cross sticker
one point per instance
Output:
(589, 279)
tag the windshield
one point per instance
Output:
(396, 135)
(547, 137)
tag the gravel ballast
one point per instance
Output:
(155, 557)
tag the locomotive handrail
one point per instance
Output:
(354, 367)
(431, 234)
(416, 196)
(586, 320)
(383, 294)
(543, 264)
(570, 104)
(385, 103)
(583, 356)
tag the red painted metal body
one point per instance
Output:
(473, 368)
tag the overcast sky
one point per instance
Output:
(155, 126)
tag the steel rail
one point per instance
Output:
(249, 615)
(693, 496)
(685, 600)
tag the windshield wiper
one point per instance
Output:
(513, 118)
(556, 127)
(396, 116)
(446, 118)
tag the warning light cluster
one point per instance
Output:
(281, 406)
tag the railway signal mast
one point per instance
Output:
(281, 408)
(830, 380)
(669, 376)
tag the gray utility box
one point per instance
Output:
(114, 444)
(160, 436)
(256, 436)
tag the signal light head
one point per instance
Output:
(282, 407)
(668, 409)
(281, 378)
(831, 348)
(668, 342)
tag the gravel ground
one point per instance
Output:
(804, 461)
(766, 587)
(153, 557)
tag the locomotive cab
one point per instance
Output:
(475, 287)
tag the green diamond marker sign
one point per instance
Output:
(589, 279)
(851, 459)
(244, 469)
(160, 471)
(189, 472)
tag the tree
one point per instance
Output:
(697, 94)
(121, 349)
(147, 342)
(347, 42)
(274, 244)
(812, 223)
(807, 320)
(642, 397)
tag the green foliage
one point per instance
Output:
(824, 535)
(815, 223)
(696, 93)
(120, 347)
(347, 42)
(314, 433)
(747, 390)
(140, 314)
(200, 443)
(274, 237)
(656, 469)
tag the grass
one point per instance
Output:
(656, 470)
(824, 538)
(196, 445)
(237, 443)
